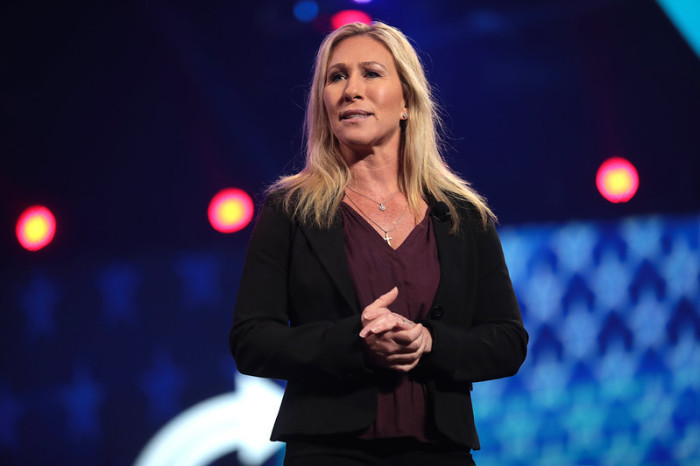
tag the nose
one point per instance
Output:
(354, 88)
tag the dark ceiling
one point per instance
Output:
(126, 117)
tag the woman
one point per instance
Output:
(375, 282)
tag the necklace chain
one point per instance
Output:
(387, 238)
(382, 205)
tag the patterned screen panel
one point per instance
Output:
(613, 371)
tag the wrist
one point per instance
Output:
(428, 337)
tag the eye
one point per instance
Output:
(372, 74)
(335, 77)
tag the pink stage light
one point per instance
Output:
(35, 227)
(230, 210)
(617, 180)
(349, 16)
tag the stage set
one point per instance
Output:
(138, 139)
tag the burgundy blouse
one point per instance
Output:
(376, 268)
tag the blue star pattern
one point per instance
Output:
(117, 285)
(573, 245)
(82, 398)
(163, 385)
(623, 390)
(10, 412)
(39, 300)
(200, 279)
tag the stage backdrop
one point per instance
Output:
(125, 118)
(102, 359)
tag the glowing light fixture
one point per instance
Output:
(230, 210)
(617, 180)
(305, 11)
(35, 228)
(349, 16)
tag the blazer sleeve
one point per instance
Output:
(261, 340)
(486, 340)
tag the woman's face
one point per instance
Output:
(363, 96)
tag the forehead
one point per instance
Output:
(360, 49)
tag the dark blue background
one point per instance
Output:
(125, 118)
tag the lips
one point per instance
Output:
(354, 114)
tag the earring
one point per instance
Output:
(404, 116)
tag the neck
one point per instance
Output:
(374, 173)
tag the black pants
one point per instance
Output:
(383, 452)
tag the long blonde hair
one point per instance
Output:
(314, 194)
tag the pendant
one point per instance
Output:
(387, 238)
(382, 207)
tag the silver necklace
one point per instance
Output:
(387, 238)
(382, 207)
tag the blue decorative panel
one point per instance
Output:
(613, 371)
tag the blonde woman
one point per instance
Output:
(375, 282)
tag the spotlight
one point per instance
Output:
(617, 180)
(35, 228)
(349, 16)
(230, 210)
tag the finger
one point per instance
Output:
(407, 336)
(408, 346)
(379, 325)
(384, 346)
(402, 359)
(370, 313)
(385, 323)
(403, 367)
(392, 322)
(384, 359)
(381, 302)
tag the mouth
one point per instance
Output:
(354, 114)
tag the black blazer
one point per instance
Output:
(297, 318)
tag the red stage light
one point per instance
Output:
(230, 210)
(617, 180)
(35, 228)
(349, 16)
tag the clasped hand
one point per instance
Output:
(393, 341)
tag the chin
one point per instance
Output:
(356, 145)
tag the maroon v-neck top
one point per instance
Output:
(376, 268)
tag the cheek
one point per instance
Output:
(329, 109)
(328, 104)
(391, 98)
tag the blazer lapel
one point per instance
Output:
(329, 247)
(448, 246)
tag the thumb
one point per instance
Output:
(387, 298)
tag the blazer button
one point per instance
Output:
(436, 312)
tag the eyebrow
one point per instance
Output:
(364, 63)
